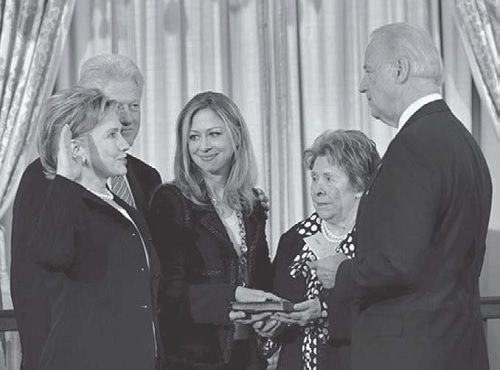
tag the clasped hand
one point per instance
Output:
(243, 294)
(303, 313)
(326, 268)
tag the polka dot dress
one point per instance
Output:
(316, 332)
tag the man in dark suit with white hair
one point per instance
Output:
(421, 224)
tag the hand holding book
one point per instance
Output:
(244, 311)
(302, 313)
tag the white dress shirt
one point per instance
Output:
(415, 106)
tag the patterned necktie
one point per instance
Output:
(120, 187)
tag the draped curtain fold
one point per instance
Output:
(479, 24)
(32, 35)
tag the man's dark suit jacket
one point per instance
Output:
(200, 276)
(29, 294)
(421, 230)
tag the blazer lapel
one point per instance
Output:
(94, 199)
(432, 107)
(368, 188)
(136, 216)
(253, 229)
(133, 213)
(212, 223)
(135, 186)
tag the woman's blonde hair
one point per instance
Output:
(79, 108)
(238, 191)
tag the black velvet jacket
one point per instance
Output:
(200, 273)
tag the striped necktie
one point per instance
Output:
(120, 187)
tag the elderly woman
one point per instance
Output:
(341, 164)
(93, 247)
(209, 228)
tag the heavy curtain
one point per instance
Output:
(31, 41)
(479, 24)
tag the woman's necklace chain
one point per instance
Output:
(330, 236)
(243, 267)
(219, 206)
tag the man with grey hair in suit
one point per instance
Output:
(120, 80)
(421, 224)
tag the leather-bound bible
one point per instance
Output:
(266, 306)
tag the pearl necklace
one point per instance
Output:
(329, 235)
(105, 196)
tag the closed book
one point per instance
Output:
(266, 306)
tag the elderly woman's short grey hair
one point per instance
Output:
(350, 150)
(79, 108)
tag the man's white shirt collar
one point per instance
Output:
(415, 106)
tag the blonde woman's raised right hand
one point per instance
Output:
(68, 164)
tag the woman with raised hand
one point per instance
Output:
(94, 248)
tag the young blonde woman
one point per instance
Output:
(209, 228)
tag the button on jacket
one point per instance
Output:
(100, 290)
(29, 293)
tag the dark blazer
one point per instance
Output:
(200, 270)
(335, 354)
(98, 280)
(143, 180)
(29, 294)
(421, 230)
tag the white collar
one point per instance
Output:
(415, 106)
